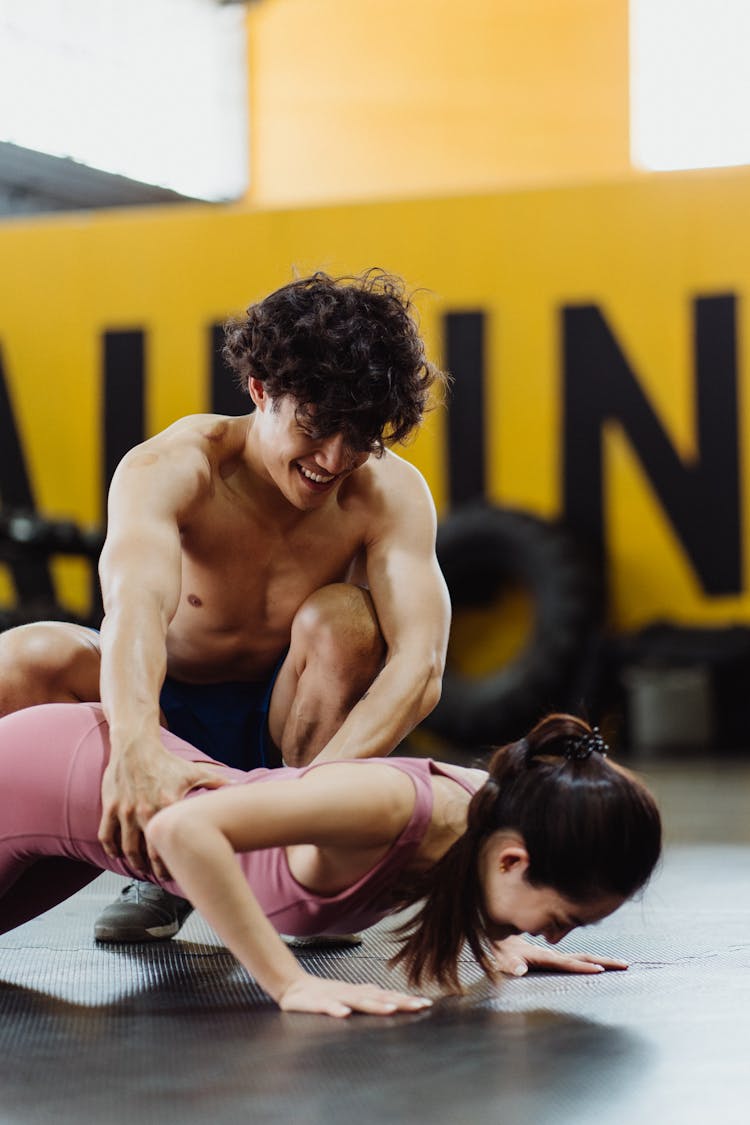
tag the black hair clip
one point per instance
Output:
(583, 746)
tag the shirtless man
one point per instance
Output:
(278, 569)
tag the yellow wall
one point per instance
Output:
(640, 250)
(378, 99)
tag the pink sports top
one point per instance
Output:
(52, 759)
(293, 909)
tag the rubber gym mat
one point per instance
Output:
(176, 1031)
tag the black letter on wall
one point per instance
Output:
(226, 396)
(701, 498)
(123, 422)
(464, 356)
(31, 577)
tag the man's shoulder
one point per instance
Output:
(392, 467)
(183, 459)
(389, 485)
(397, 477)
(204, 430)
(214, 437)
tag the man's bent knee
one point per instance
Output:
(47, 662)
(339, 624)
(336, 651)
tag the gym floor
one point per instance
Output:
(177, 1032)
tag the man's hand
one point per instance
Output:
(136, 784)
(515, 956)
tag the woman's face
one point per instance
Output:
(513, 905)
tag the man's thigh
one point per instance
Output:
(48, 662)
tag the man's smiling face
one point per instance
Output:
(305, 467)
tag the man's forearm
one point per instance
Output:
(394, 704)
(133, 643)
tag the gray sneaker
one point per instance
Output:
(323, 941)
(143, 912)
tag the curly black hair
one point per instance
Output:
(346, 349)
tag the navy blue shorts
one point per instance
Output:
(228, 721)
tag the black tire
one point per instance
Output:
(480, 549)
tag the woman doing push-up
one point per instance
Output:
(551, 837)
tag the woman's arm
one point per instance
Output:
(197, 840)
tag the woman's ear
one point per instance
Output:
(509, 853)
(512, 859)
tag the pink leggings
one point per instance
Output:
(51, 763)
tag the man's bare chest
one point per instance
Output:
(236, 568)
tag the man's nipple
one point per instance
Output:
(193, 599)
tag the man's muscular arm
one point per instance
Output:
(140, 572)
(413, 608)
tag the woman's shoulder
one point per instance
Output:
(470, 777)
(376, 795)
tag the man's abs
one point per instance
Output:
(215, 664)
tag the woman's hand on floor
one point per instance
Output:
(515, 956)
(340, 998)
